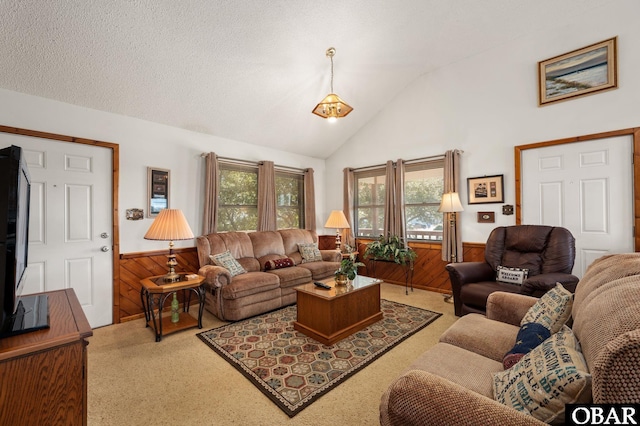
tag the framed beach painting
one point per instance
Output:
(581, 72)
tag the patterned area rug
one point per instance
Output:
(294, 370)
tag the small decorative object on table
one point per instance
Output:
(348, 270)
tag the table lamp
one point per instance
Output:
(170, 225)
(451, 204)
(338, 221)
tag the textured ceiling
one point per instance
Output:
(251, 70)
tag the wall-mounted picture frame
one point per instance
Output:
(486, 189)
(581, 72)
(486, 217)
(157, 190)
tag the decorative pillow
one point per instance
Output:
(544, 380)
(511, 275)
(226, 260)
(552, 310)
(278, 263)
(529, 336)
(309, 252)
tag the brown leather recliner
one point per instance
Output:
(547, 252)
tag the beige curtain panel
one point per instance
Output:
(267, 196)
(211, 190)
(451, 237)
(309, 201)
(399, 228)
(348, 236)
(389, 200)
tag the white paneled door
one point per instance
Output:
(586, 187)
(70, 222)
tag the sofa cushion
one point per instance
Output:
(284, 262)
(473, 331)
(529, 336)
(292, 276)
(249, 284)
(446, 360)
(227, 261)
(309, 252)
(543, 381)
(321, 270)
(552, 310)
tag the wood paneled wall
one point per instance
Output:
(428, 274)
(136, 266)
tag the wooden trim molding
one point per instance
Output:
(635, 134)
(115, 178)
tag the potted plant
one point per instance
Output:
(348, 270)
(390, 249)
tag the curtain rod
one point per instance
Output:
(252, 163)
(415, 160)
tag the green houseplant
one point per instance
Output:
(348, 269)
(391, 249)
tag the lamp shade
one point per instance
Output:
(337, 220)
(450, 203)
(169, 225)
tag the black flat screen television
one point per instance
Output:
(20, 314)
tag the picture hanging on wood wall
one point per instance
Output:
(158, 190)
(580, 72)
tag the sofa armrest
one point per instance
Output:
(215, 276)
(537, 285)
(331, 255)
(508, 307)
(422, 398)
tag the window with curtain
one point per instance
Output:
(369, 202)
(238, 199)
(423, 188)
(289, 200)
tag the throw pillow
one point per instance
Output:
(552, 310)
(278, 263)
(227, 261)
(309, 252)
(544, 380)
(511, 275)
(529, 336)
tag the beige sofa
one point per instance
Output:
(451, 383)
(258, 291)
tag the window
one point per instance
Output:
(423, 188)
(369, 202)
(238, 199)
(289, 200)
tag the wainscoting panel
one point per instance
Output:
(136, 266)
(428, 274)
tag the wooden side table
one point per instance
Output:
(154, 292)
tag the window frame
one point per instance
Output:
(416, 166)
(241, 168)
(301, 197)
(369, 173)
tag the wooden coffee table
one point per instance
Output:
(331, 315)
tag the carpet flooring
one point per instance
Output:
(294, 370)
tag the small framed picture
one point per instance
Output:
(583, 71)
(157, 190)
(486, 189)
(486, 217)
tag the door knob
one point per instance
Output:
(104, 248)
(104, 235)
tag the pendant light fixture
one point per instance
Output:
(332, 107)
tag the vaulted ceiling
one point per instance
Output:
(251, 70)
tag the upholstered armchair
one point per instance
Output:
(547, 252)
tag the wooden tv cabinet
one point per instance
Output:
(43, 374)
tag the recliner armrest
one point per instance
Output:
(422, 398)
(540, 284)
(471, 272)
(215, 276)
(331, 255)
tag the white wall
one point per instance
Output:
(487, 104)
(144, 144)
